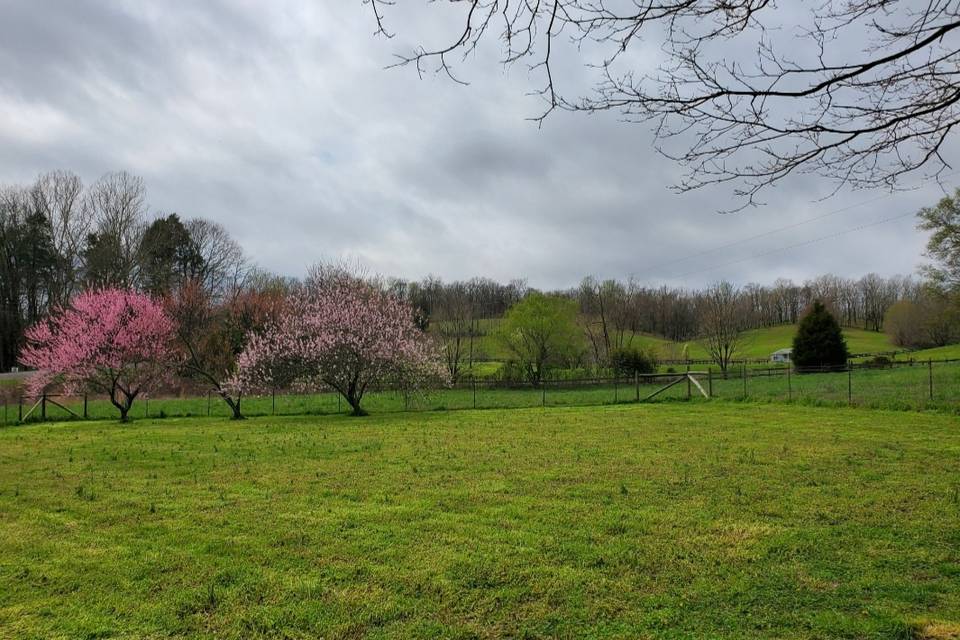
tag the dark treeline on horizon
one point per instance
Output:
(59, 237)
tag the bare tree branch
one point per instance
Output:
(745, 91)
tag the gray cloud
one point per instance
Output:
(280, 122)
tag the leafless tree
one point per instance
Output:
(454, 315)
(610, 314)
(720, 312)
(748, 92)
(225, 267)
(117, 206)
(58, 195)
(593, 300)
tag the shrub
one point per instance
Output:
(632, 360)
(878, 362)
(512, 372)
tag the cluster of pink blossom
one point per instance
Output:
(346, 334)
(112, 341)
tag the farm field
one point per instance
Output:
(674, 520)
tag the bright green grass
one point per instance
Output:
(461, 397)
(760, 343)
(896, 388)
(948, 352)
(667, 521)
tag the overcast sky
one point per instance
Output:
(279, 121)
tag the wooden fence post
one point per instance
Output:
(636, 384)
(930, 375)
(710, 381)
(43, 408)
(688, 384)
(743, 368)
(85, 415)
(850, 383)
(473, 383)
(20, 409)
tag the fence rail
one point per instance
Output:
(898, 385)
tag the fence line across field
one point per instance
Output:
(898, 384)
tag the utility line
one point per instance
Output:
(791, 226)
(800, 244)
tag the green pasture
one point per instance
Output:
(676, 520)
(949, 352)
(760, 343)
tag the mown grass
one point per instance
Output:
(666, 521)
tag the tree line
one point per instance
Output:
(59, 237)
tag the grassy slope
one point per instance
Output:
(722, 521)
(760, 343)
(948, 352)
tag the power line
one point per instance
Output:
(790, 226)
(800, 244)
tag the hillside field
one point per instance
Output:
(949, 352)
(758, 343)
(676, 520)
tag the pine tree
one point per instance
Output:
(819, 341)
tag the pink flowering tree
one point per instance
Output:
(345, 333)
(109, 341)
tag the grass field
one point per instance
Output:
(666, 521)
(948, 352)
(901, 388)
(760, 343)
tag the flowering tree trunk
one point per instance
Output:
(123, 399)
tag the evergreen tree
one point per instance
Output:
(819, 341)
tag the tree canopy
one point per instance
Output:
(943, 221)
(109, 341)
(541, 332)
(345, 333)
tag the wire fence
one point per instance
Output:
(896, 385)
